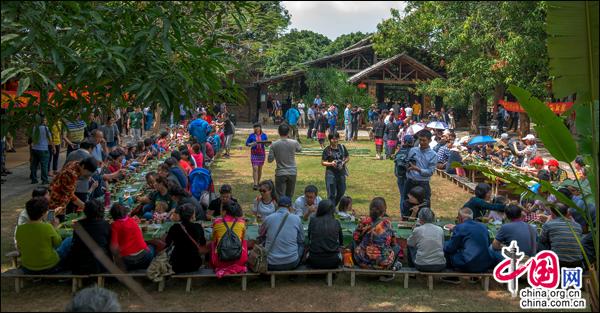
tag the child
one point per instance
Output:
(414, 203)
(345, 211)
(496, 216)
(163, 142)
(391, 130)
(378, 133)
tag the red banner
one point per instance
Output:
(556, 107)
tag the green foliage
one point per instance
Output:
(332, 85)
(157, 52)
(344, 41)
(292, 49)
(478, 44)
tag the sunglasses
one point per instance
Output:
(263, 190)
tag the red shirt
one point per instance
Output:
(187, 167)
(199, 158)
(113, 168)
(127, 236)
(208, 119)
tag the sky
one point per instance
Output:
(335, 18)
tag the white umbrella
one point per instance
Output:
(415, 128)
(437, 125)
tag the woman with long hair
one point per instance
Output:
(325, 238)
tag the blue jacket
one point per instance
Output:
(200, 129)
(467, 249)
(180, 176)
(292, 115)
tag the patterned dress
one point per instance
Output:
(257, 153)
(62, 188)
(376, 246)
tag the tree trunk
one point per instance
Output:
(475, 114)
(498, 95)
(523, 124)
(157, 119)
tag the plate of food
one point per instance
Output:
(448, 227)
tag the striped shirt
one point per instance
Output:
(75, 130)
(557, 235)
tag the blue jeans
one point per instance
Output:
(140, 261)
(401, 181)
(39, 158)
(336, 187)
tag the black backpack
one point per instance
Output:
(230, 245)
(401, 162)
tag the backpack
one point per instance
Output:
(401, 162)
(200, 181)
(229, 247)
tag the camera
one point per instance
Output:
(339, 164)
(412, 161)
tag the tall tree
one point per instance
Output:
(344, 41)
(156, 52)
(292, 49)
(479, 44)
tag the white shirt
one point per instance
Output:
(301, 107)
(300, 207)
(408, 111)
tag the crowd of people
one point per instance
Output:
(180, 190)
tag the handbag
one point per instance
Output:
(201, 250)
(160, 267)
(257, 257)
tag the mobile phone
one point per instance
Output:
(50, 217)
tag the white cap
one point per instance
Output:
(529, 137)
(392, 110)
(504, 136)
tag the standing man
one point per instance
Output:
(311, 121)
(334, 158)
(182, 114)
(292, 116)
(422, 161)
(500, 117)
(75, 133)
(416, 107)
(40, 156)
(354, 121)
(136, 123)
(347, 122)
(409, 112)
(283, 151)
(199, 129)
(318, 101)
(301, 107)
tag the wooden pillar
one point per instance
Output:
(524, 125)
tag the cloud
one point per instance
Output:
(335, 18)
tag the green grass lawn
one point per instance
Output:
(368, 178)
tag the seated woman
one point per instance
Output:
(183, 164)
(181, 197)
(426, 244)
(345, 210)
(127, 243)
(375, 239)
(163, 140)
(232, 219)
(414, 203)
(161, 200)
(186, 237)
(83, 261)
(187, 161)
(266, 203)
(480, 205)
(42, 250)
(325, 238)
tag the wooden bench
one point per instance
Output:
(14, 258)
(407, 271)
(133, 274)
(304, 270)
(209, 273)
(19, 277)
